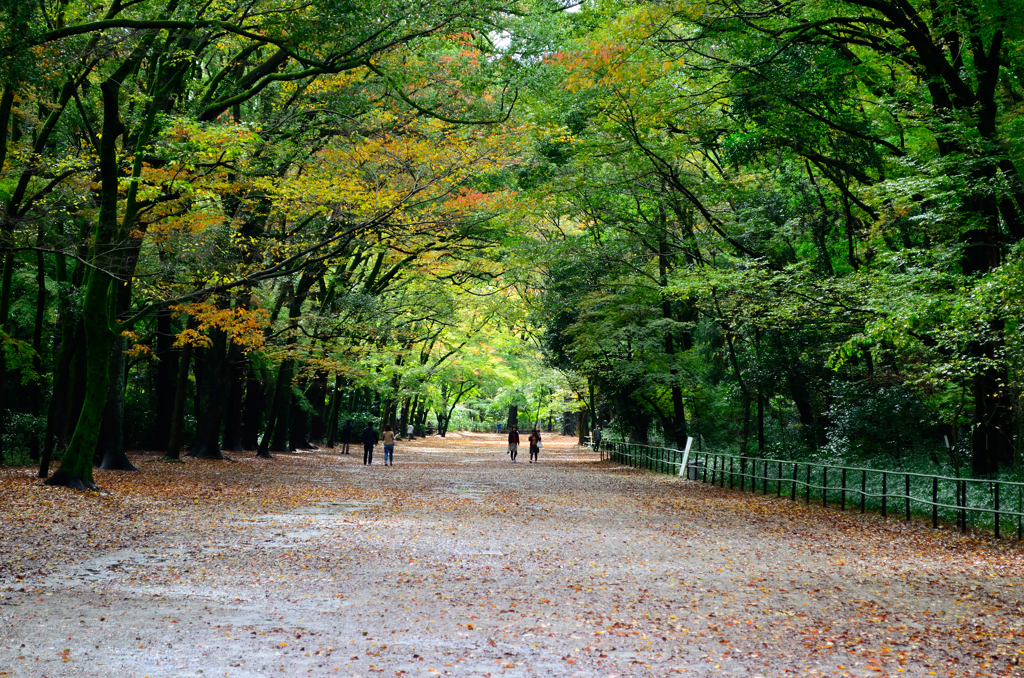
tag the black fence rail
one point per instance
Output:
(993, 505)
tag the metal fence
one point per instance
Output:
(993, 505)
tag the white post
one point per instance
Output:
(686, 456)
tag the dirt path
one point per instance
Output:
(457, 562)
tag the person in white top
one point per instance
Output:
(410, 431)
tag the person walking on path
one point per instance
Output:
(535, 445)
(369, 440)
(346, 436)
(513, 443)
(410, 432)
(597, 437)
(388, 438)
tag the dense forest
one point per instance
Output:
(785, 229)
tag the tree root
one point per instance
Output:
(63, 479)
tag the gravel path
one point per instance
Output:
(457, 562)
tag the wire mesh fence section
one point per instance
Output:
(993, 505)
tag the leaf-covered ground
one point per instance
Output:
(457, 562)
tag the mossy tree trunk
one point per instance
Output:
(100, 303)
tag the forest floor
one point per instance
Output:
(457, 562)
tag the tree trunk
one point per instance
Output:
(212, 398)
(403, 421)
(110, 444)
(255, 403)
(237, 363)
(297, 435)
(178, 410)
(76, 468)
(166, 379)
(513, 417)
(275, 438)
(71, 339)
(760, 424)
(639, 426)
(332, 420)
(77, 388)
(35, 389)
(678, 423)
(5, 307)
(109, 248)
(798, 391)
(413, 411)
(318, 400)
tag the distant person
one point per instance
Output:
(369, 440)
(499, 427)
(535, 445)
(513, 443)
(597, 437)
(388, 438)
(346, 436)
(410, 431)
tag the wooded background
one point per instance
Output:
(788, 229)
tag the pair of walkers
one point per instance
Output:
(534, 441)
(370, 439)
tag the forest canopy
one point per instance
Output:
(782, 229)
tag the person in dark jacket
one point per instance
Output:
(535, 445)
(513, 443)
(346, 436)
(369, 440)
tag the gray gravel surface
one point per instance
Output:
(457, 562)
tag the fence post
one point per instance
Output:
(807, 499)
(962, 503)
(935, 502)
(686, 458)
(995, 513)
(792, 494)
(842, 495)
(863, 488)
(704, 475)
(731, 476)
(778, 485)
(906, 485)
(824, 485)
(743, 474)
(764, 483)
(885, 478)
